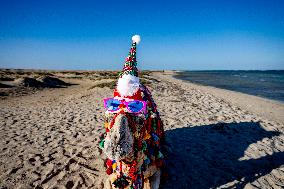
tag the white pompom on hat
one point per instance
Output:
(136, 39)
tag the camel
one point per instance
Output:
(133, 143)
(134, 132)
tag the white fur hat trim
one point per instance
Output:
(128, 85)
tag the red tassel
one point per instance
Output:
(132, 170)
(109, 171)
(109, 163)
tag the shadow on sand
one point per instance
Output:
(209, 156)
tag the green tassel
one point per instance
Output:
(154, 125)
(160, 155)
(102, 144)
(144, 146)
(120, 182)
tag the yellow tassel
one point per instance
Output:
(147, 136)
(114, 166)
(137, 134)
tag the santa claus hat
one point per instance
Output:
(128, 83)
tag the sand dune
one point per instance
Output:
(49, 139)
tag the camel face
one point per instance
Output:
(119, 140)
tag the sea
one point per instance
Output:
(268, 84)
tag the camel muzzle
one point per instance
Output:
(119, 140)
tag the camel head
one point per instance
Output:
(121, 127)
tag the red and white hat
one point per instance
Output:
(128, 84)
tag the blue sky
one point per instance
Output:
(182, 35)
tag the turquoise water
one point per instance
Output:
(267, 84)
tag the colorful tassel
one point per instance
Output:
(155, 137)
(114, 166)
(121, 182)
(109, 171)
(109, 163)
(101, 144)
(160, 155)
(147, 161)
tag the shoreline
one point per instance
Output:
(264, 107)
(265, 84)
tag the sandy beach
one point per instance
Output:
(219, 138)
